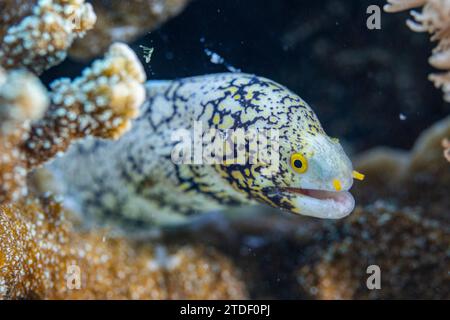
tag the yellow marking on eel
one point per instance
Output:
(357, 175)
(233, 90)
(335, 140)
(184, 186)
(337, 185)
(249, 95)
(216, 119)
(240, 178)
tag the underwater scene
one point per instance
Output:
(224, 149)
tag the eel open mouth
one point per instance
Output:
(322, 203)
(320, 194)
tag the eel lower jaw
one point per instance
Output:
(321, 203)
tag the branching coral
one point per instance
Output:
(434, 19)
(124, 21)
(41, 256)
(402, 5)
(36, 34)
(101, 103)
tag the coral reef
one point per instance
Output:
(201, 273)
(43, 257)
(401, 223)
(435, 20)
(409, 250)
(124, 21)
(100, 103)
(36, 34)
(401, 226)
(22, 99)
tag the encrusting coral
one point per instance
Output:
(419, 178)
(42, 257)
(100, 103)
(124, 21)
(435, 20)
(36, 34)
(409, 250)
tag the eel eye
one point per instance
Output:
(299, 163)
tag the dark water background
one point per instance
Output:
(357, 80)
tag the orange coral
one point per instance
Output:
(41, 253)
(420, 177)
(37, 34)
(402, 5)
(42, 256)
(124, 21)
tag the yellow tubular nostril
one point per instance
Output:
(337, 185)
(358, 176)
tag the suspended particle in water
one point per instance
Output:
(147, 53)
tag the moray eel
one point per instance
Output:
(135, 180)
